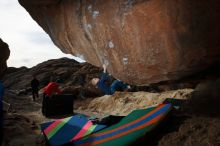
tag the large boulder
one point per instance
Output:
(143, 41)
(5, 52)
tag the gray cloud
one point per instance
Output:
(38, 38)
(26, 60)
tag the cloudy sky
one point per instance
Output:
(28, 43)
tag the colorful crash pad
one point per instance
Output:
(67, 130)
(129, 129)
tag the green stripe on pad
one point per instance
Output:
(58, 127)
(134, 115)
(90, 130)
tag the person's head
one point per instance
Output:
(52, 79)
(94, 81)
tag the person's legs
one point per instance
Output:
(118, 85)
(33, 94)
(37, 93)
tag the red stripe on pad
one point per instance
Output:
(82, 131)
(52, 126)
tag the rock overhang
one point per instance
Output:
(143, 41)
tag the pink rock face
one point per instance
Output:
(4, 54)
(143, 41)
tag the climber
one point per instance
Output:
(106, 89)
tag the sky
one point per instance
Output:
(28, 43)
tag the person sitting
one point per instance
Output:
(106, 89)
(52, 89)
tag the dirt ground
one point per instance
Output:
(183, 128)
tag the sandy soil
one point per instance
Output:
(122, 103)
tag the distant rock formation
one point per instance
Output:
(143, 41)
(72, 74)
(4, 54)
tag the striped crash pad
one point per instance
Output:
(67, 130)
(129, 129)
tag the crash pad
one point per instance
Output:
(67, 130)
(129, 129)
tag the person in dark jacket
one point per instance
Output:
(1, 112)
(104, 87)
(35, 87)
